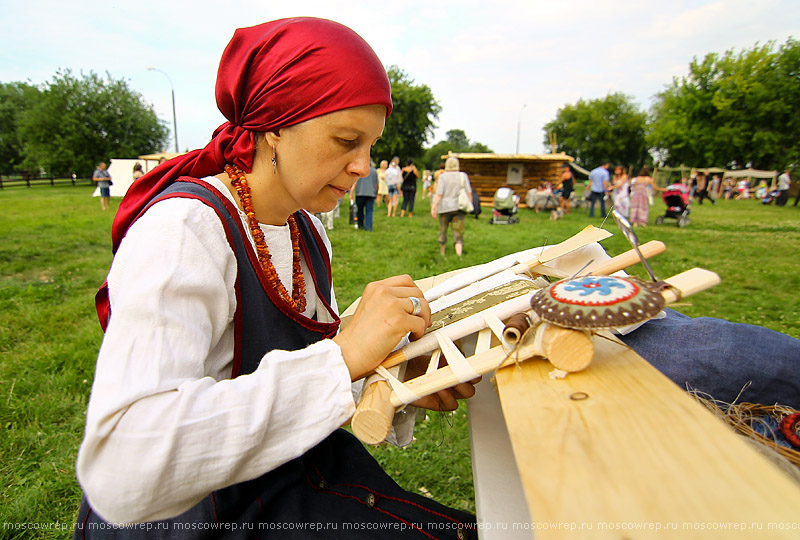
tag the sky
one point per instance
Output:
(500, 69)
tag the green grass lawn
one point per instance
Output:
(55, 250)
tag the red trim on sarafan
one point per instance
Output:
(334, 329)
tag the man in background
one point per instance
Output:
(364, 194)
(784, 182)
(103, 179)
(599, 180)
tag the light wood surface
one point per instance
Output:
(629, 258)
(568, 350)
(636, 458)
(619, 446)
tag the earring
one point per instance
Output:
(274, 160)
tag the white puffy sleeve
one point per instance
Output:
(165, 424)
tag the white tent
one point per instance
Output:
(121, 171)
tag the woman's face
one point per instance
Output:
(321, 159)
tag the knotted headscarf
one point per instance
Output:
(271, 76)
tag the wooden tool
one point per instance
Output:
(372, 419)
(620, 451)
(570, 348)
(474, 323)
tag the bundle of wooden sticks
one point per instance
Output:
(506, 303)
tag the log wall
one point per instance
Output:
(486, 176)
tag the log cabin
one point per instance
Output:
(521, 172)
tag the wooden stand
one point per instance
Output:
(568, 350)
(621, 449)
(618, 451)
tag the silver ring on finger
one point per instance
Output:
(417, 305)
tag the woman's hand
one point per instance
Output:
(383, 317)
(443, 400)
(435, 206)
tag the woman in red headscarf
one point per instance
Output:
(223, 377)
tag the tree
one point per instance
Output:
(608, 129)
(732, 110)
(15, 98)
(79, 121)
(456, 141)
(412, 120)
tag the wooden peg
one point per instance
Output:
(567, 349)
(372, 421)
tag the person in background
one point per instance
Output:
(620, 191)
(364, 193)
(784, 183)
(566, 185)
(445, 204)
(393, 181)
(692, 183)
(409, 187)
(383, 190)
(716, 186)
(702, 188)
(640, 202)
(102, 178)
(728, 188)
(427, 183)
(743, 189)
(137, 171)
(599, 180)
(224, 375)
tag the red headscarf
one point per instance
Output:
(271, 76)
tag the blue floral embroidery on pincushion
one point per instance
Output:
(591, 285)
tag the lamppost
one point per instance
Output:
(519, 122)
(174, 116)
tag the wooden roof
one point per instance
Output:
(516, 158)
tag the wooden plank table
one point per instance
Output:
(616, 451)
(619, 451)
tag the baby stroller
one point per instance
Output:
(676, 197)
(505, 206)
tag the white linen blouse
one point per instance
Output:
(165, 424)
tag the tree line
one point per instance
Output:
(73, 122)
(733, 110)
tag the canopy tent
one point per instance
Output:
(152, 160)
(724, 173)
(121, 171)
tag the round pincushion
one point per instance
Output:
(597, 302)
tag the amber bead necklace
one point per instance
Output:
(298, 298)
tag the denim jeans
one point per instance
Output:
(720, 357)
(594, 196)
(364, 205)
